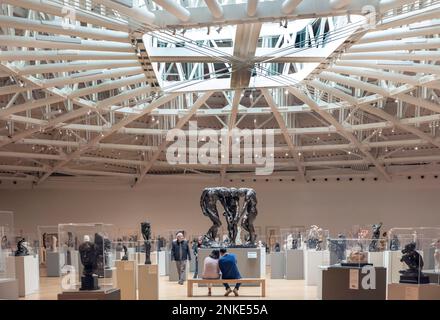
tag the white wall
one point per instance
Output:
(170, 203)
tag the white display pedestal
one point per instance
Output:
(8, 289)
(376, 259)
(312, 262)
(126, 275)
(278, 265)
(393, 265)
(167, 262)
(406, 291)
(54, 262)
(27, 272)
(173, 276)
(148, 282)
(268, 259)
(294, 264)
(161, 262)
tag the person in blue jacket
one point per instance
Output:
(229, 269)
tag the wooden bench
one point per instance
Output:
(191, 282)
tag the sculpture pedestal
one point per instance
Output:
(347, 283)
(27, 273)
(393, 265)
(126, 275)
(109, 294)
(376, 259)
(89, 283)
(54, 262)
(278, 265)
(161, 262)
(406, 291)
(312, 261)
(8, 289)
(434, 277)
(295, 264)
(148, 282)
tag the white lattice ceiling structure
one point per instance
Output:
(91, 87)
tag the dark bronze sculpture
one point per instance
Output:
(314, 238)
(376, 235)
(229, 198)
(414, 261)
(103, 246)
(88, 252)
(125, 256)
(394, 243)
(208, 203)
(277, 247)
(339, 247)
(249, 213)
(146, 234)
(21, 249)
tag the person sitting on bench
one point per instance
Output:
(229, 269)
(211, 269)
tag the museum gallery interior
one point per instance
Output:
(219, 149)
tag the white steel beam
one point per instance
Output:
(114, 128)
(175, 9)
(287, 137)
(252, 6)
(58, 55)
(140, 14)
(76, 66)
(61, 10)
(289, 6)
(57, 42)
(182, 121)
(55, 27)
(348, 135)
(339, 4)
(29, 105)
(215, 8)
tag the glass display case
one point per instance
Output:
(349, 252)
(47, 241)
(7, 246)
(87, 257)
(128, 234)
(414, 255)
(292, 238)
(125, 250)
(316, 238)
(27, 239)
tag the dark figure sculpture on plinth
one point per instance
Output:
(88, 254)
(229, 198)
(339, 247)
(394, 243)
(231, 203)
(125, 256)
(414, 261)
(208, 203)
(103, 246)
(146, 234)
(277, 247)
(294, 243)
(249, 213)
(314, 238)
(376, 235)
(21, 249)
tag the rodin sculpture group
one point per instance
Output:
(229, 198)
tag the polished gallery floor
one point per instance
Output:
(275, 289)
